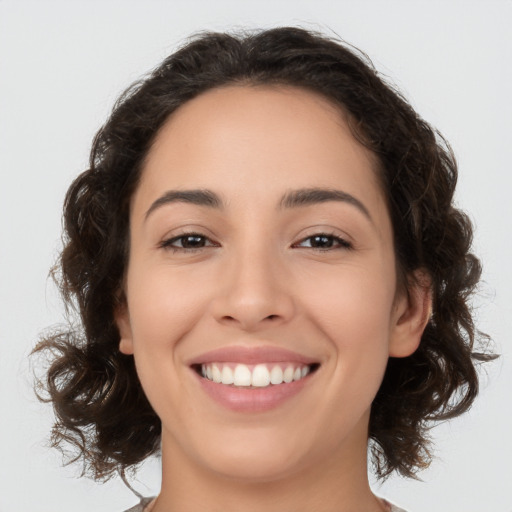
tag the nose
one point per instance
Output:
(256, 292)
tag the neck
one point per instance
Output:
(338, 483)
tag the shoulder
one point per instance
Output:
(390, 507)
(394, 508)
(142, 506)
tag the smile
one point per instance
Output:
(255, 376)
(253, 379)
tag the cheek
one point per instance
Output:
(353, 309)
(354, 298)
(355, 320)
(164, 305)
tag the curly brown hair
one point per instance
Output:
(101, 409)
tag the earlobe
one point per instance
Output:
(413, 310)
(122, 319)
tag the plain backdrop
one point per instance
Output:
(62, 64)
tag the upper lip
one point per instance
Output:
(251, 355)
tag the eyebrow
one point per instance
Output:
(311, 196)
(200, 197)
(292, 199)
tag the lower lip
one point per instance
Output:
(252, 399)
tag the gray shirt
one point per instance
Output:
(144, 502)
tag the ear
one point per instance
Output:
(122, 319)
(411, 314)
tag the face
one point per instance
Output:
(261, 253)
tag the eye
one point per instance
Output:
(187, 242)
(324, 242)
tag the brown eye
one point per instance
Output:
(323, 241)
(189, 241)
(192, 241)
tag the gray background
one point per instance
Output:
(62, 64)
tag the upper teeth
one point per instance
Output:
(260, 375)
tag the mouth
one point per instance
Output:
(254, 376)
(253, 379)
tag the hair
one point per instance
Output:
(101, 410)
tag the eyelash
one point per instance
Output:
(333, 239)
(168, 244)
(341, 242)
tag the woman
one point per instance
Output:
(271, 278)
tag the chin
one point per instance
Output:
(254, 456)
(257, 468)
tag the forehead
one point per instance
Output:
(254, 142)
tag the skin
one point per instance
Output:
(257, 280)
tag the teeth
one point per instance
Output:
(227, 375)
(216, 374)
(258, 376)
(276, 375)
(288, 374)
(242, 375)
